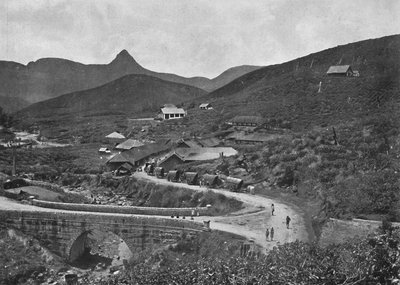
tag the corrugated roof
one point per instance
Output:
(338, 69)
(172, 110)
(248, 120)
(257, 137)
(129, 144)
(115, 135)
(204, 153)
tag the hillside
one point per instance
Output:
(50, 77)
(128, 95)
(289, 91)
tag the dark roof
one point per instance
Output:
(121, 158)
(210, 178)
(247, 120)
(169, 156)
(189, 143)
(145, 151)
(127, 166)
(191, 176)
(338, 69)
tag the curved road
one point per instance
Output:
(252, 221)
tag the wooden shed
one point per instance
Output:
(159, 171)
(174, 175)
(210, 180)
(125, 169)
(191, 178)
(233, 184)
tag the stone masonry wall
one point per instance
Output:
(203, 211)
(58, 231)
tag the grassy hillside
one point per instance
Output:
(289, 91)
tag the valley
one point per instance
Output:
(115, 157)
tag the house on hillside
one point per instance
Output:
(170, 111)
(171, 161)
(139, 155)
(246, 121)
(340, 70)
(205, 106)
(129, 144)
(120, 159)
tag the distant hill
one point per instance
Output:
(289, 91)
(50, 77)
(128, 95)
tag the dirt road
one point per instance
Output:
(252, 221)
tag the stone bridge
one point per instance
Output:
(64, 233)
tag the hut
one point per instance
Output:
(124, 169)
(233, 184)
(159, 171)
(173, 175)
(340, 70)
(210, 180)
(191, 178)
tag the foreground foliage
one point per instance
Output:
(370, 261)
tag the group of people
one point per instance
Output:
(270, 232)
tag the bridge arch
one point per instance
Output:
(80, 243)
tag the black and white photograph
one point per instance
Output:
(177, 142)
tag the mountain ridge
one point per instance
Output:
(50, 77)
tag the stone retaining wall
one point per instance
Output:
(337, 231)
(202, 211)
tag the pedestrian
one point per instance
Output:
(272, 209)
(272, 233)
(267, 234)
(287, 221)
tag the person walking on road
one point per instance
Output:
(287, 221)
(272, 209)
(267, 234)
(272, 233)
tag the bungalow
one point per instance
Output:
(340, 70)
(205, 106)
(128, 144)
(170, 111)
(246, 121)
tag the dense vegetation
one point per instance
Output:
(374, 260)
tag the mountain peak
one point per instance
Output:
(125, 60)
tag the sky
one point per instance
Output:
(188, 37)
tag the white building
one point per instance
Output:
(172, 112)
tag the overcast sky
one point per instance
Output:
(188, 37)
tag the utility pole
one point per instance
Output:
(14, 164)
